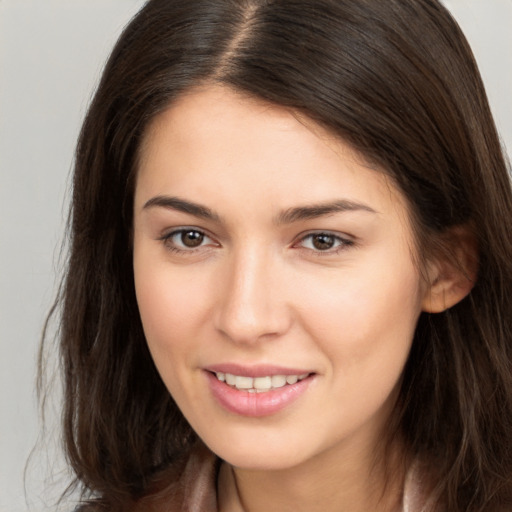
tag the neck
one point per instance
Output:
(361, 482)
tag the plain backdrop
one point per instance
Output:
(51, 54)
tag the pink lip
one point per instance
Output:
(256, 404)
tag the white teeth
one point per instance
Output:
(243, 382)
(292, 379)
(258, 384)
(262, 383)
(278, 381)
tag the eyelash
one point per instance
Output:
(341, 244)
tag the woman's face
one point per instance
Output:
(275, 279)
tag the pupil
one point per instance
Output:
(192, 238)
(323, 242)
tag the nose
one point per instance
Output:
(252, 302)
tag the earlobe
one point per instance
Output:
(451, 275)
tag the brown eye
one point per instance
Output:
(323, 241)
(186, 240)
(326, 242)
(191, 238)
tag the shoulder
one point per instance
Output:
(188, 485)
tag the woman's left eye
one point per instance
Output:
(186, 239)
(324, 242)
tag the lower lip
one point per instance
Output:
(256, 404)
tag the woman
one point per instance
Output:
(290, 263)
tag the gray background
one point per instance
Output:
(51, 54)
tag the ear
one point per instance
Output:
(451, 274)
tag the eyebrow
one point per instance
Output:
(288, 216)
(175, 203)
(320, 210)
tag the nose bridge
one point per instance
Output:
(251, 305)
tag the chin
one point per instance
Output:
(261, 460)
(253, 453)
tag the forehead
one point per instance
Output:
(219, 145)
(208, 113)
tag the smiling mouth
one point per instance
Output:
(258, 384)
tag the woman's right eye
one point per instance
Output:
(186, 240)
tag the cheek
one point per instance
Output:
(172, 306)
(170, 318)
(366, 318)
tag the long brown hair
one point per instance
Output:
(396, 80)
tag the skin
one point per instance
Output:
(258, 291)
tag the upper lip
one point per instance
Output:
(259, 370)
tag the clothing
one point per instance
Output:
(194, 488)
